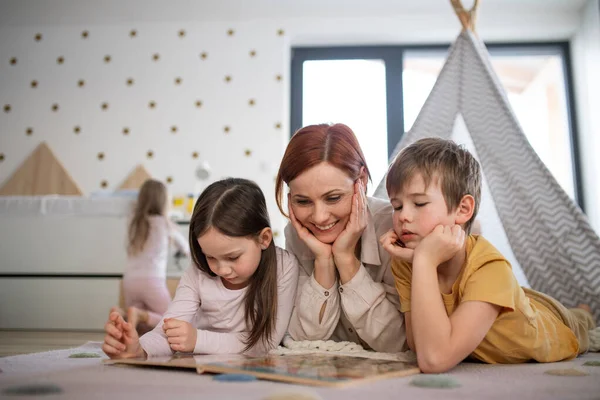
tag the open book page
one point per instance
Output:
(307, 369)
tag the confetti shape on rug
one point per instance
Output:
(32, 390)
(435, 381)
(592, 363)
(293, 396)
(566, 372)
(85, 355)
(234, 378)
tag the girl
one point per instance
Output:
(346, 288)
(145, 279)
(240, 291)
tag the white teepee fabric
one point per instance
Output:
(549, 235)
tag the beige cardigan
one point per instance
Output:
(365, 310)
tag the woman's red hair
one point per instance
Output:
(313, 144)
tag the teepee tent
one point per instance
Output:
(549, 235)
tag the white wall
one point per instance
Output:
(586, 62)
(253, 128)
(270, 28)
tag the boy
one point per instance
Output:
(457, 292)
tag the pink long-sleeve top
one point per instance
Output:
(218, 312)
(151, 261)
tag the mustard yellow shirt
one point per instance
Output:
(525, 328)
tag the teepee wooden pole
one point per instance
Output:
(466, 17)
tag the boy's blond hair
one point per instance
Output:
(457, 169)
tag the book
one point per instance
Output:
(329, 370)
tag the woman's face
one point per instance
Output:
(321, 200)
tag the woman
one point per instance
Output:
(346, 288)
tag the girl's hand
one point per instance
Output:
(121, 340)
(322, 251)
(392, 244)
(180, 334)
(441, 244)
(345, 245)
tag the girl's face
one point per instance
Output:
(234, 259)
(321, 200)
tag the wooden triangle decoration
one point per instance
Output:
(40, 174)
(136, 178)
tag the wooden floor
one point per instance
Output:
(13, 342)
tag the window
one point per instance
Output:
(534, 81)
(379, 91)
(352, 92)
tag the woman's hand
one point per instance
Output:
(322, 251)
(180, 334)
(344, 247)
(121, 340)
(392, 244)
(324, 271)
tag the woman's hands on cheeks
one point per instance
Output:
(324, 271)
(341, 254)
(440, 245)
(180, 334)
(345, 244)
(344, 247)
(121, 339)
(319, 249)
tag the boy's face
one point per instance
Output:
(418, 210)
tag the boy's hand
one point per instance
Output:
(121, 340)
(441, 244)
(180, 334)
(392, 244)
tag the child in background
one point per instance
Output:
(240, 291)
(145, 279)
(459, 295)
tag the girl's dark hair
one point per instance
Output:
(236, 207)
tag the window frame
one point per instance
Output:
(393, 57)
